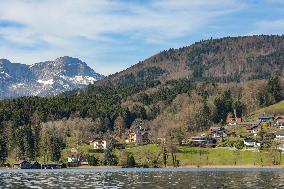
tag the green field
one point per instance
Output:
(194, 156)
(151, 155)
(277, 108)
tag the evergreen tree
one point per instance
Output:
(92, 160)
(109, 157)
(28, 141)
(3, 146)
(165, 156)
(130, 160)
(274, 88)
(223, 104)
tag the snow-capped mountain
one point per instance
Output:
(44, 78)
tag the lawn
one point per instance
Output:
(146, 154)
(277, 108)
(194, 156)
(225, 156)
(151, 156)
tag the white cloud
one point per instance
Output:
(59, 25)
(270, 26)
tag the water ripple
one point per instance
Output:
(142, 178)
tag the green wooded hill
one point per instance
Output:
(175, 93)
(223, 60)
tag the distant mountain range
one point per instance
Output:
(229, 59)
(44, 78)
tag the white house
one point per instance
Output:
(74, 157)
(217, 132)
(98, 143)
(279, 135)
(281, 147)
(250, 142)
(280, 123)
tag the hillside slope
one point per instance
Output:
(155, 94)
(230, 59)
(277, 108)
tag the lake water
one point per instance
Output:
(143, 178)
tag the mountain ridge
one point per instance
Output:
(44, 78)
(226, 59)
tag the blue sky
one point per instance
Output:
(111, 35)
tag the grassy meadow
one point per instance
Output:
(194, 156)
(277, 108)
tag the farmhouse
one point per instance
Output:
(217, 132)
(279, 135)
(279, 117)
(279, 122)
(98, 144)
(21, 164)
(35, 165)
(139, 136)
(233, 120)
(74, 157)
(203, 141)
(250, 142)
(266, 118)
(253, 129)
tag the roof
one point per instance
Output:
(265, 116)
(281, 120)
(138, 131)
(97, 140)
(20, 162)
(279, 117)
(74, 154)
(248, 123)
(281, 133)
(233, 119)
(252, 127)
(34, 162)
(250, 140)
(215, 128)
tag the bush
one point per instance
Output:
(130, 160)
(239, 144)
(96, 150)
(92, 160)
(109, 157)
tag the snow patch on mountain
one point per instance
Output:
(46, 82)
(44, 78)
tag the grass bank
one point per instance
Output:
(215, 157)
(277, 108)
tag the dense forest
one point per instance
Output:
(168, 102)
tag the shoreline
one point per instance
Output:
(181, 167)
(193, 167)
(236, 166)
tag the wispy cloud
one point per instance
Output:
(93, 30)
(270, 26)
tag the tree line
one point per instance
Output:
(114, 109)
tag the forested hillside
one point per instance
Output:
(230, 59)
(155, 92)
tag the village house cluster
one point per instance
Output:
(253, 134)
(138, 136)
(266, 129)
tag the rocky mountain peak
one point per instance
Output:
(44, 78)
